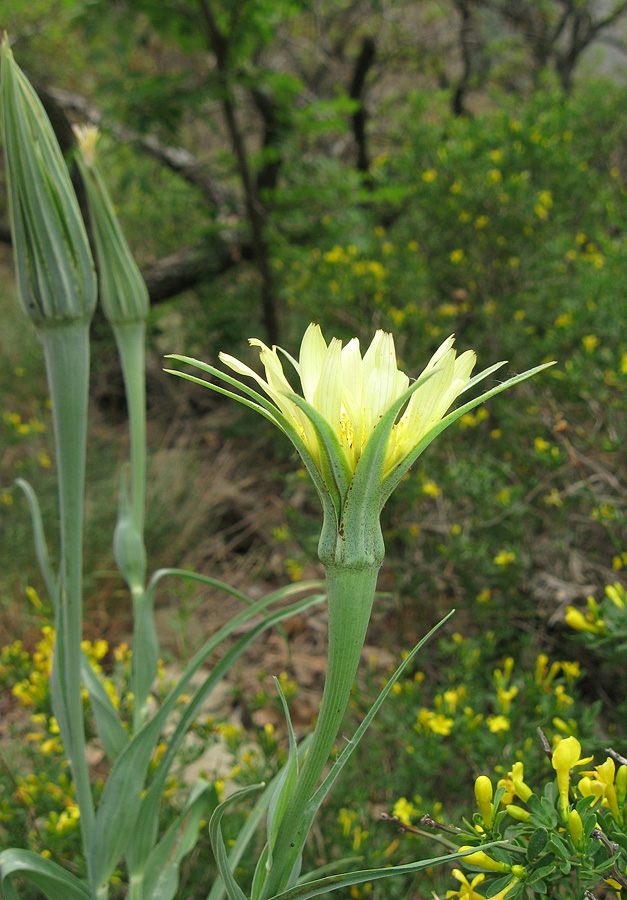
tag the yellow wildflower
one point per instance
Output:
(467, 888)
(404, 810)
(497, 724)
(352, 393)
(504, 558)
(566, 756)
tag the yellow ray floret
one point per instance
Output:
(352, 392)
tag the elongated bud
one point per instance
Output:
(123, 291)
(575, 828)
(481, 859)
(483, 795)
(621, 785)
(518, 813)
(55, 272)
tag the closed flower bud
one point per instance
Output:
(575, 828)
(55, 272)
(123, 292)
(518, 813)
(483, 795)
(481, 860)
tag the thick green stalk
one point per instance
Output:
(66, 350)
(350, 597)
(130, 338)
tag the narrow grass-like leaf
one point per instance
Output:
(334, 882)
(264, 408)
(249, 829)
(39, 539)
(144, 814)
(233, 890)
(319, 796)
(395, 477)
(162, 871)
(328, 868)
(54, 882)
(110, 730)
(280, 798)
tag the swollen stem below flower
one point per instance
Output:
(350, 597)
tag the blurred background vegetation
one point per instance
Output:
(421, 167)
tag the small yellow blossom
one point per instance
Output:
(467, 888)
(590, 342)
(496, 724)
(566, 756)
(504, 558)
(404, 810)
(514, 784)
(431, 489)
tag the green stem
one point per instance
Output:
(350, 597)
(136, 887)
(130, 338)
(66, 350)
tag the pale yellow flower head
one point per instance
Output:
(352, 392)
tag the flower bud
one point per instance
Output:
(123, 291)
(481, 859)
(483, 795)
(517, 812)
(56, 281)
(575, 828)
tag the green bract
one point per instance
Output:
(359, 426)
(122, 289)
(55, 271)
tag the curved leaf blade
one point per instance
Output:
(54, 882)
(233, 890)
(334, 882)
(162, 871)
(39, 539)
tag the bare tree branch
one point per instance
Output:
(189, 267)
(363, 64)
(178, 159)
(218, 42)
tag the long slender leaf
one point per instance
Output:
(39, 539)
(335, 882)
(278, 802)
(110, 729)
(53, 881)
(397, 474)
(143, 814)
(233, 890)
(251, 824)
(351, 746)
(335, 467)
(265, 408)
(162, 872)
